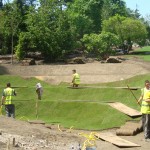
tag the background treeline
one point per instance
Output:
(56, 28)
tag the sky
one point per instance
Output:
(142, 5)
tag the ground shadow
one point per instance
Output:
(3, 70)
(140, 53)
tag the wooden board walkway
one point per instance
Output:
(109, 137)
(125, 109)
(104, 87)
(36, 122)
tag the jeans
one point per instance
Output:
(146, 125)
(10, 110)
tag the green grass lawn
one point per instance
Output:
(142, 53)
(84, 108)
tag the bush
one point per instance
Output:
(101, 44)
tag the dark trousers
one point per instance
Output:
(38, 93)
(10, 110)
(146, 125)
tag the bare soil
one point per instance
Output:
(39, 137)
(90, 73)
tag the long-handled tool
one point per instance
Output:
(36, 107)
(133, 95)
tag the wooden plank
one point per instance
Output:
(79, 87)
(109, 137)
(125, 109)
(131, 88)
(19, 87)
(36, 122)
(103, 87)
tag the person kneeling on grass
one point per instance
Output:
(75, 79)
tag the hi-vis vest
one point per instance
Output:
(8, 93)
(145, 108)
(76, 78)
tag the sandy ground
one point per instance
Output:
(90, 73)
(38, 137)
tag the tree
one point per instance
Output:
(101, 44)
(13, 23)
(147, 24)
(48, 31)
(85, 16)
(114, 25)
(126, 28)
(114, 7)
(135, 28)
(11, 19)
(1, 4)
(118, 7)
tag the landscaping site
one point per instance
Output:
(66, 117)
(47, 49)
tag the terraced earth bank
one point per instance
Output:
(39, 137)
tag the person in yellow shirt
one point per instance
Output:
(6, 100)
(145, 110)
(75, 78)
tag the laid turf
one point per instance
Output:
(84, 108)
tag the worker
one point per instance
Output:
(6, 100)
(39, 90)
(145, 110)
(75, 79)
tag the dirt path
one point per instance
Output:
(90, 73)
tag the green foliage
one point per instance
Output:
(136, 30)
(85, 16)
(126, 28)
(11, 25)
(114, 7)
(146, 21)
(113, 25)
(20, 54)
(1, 4)
(49, 30)
(55, 28)
(101, 44)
